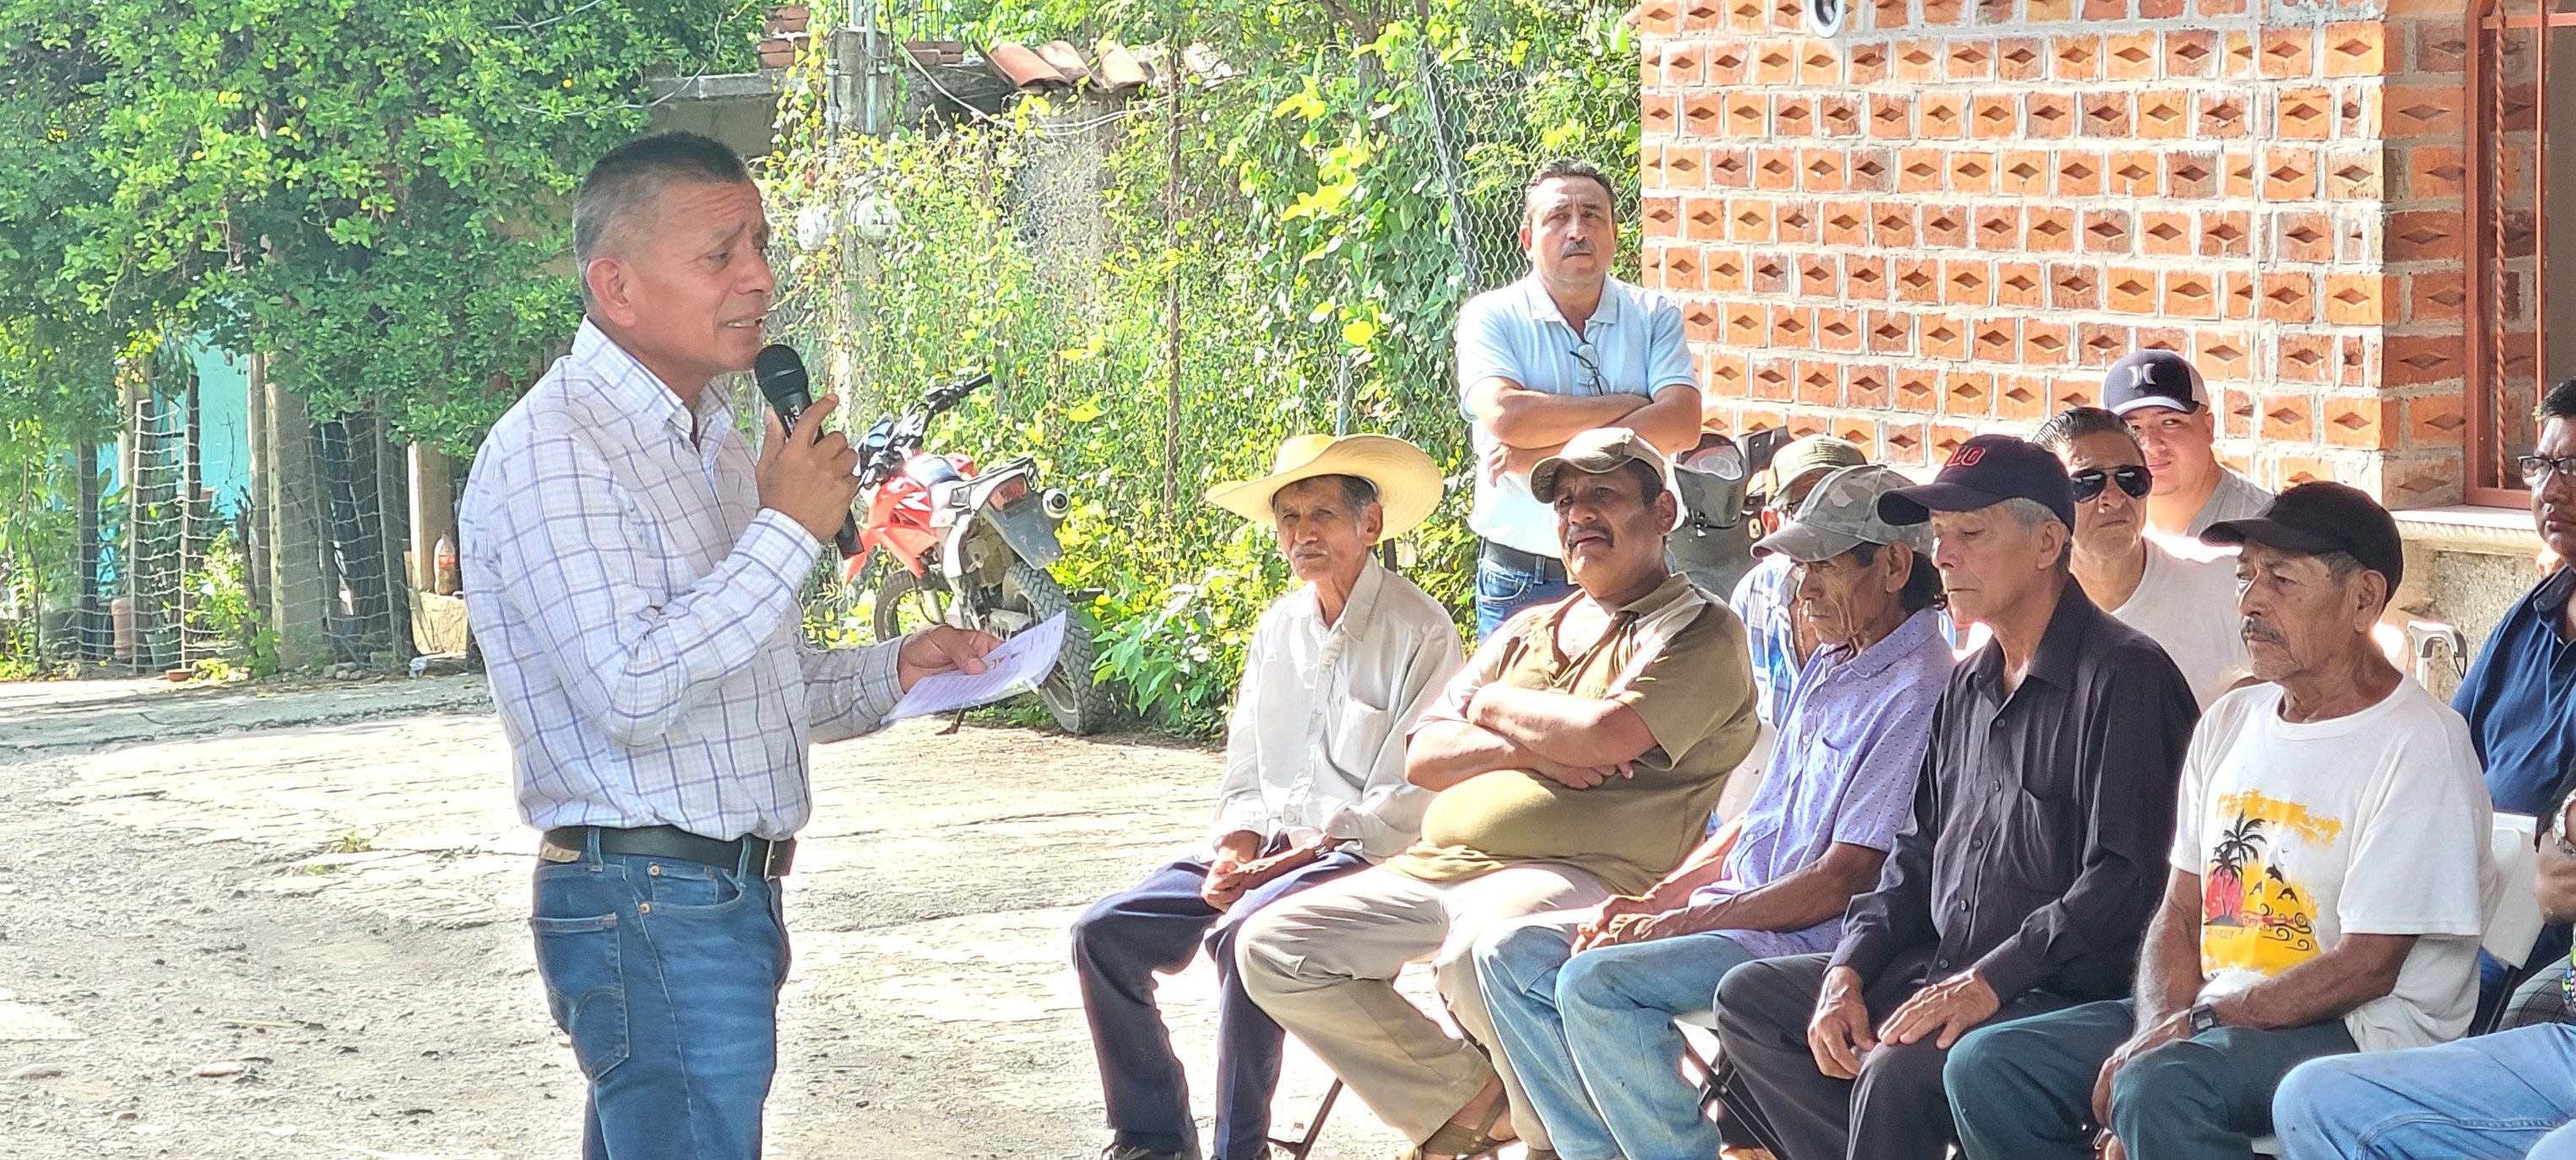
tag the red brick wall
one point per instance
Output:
(1950, 217)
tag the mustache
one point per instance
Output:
(1577, 247)
(2253, 629)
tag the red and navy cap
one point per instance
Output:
(1983, 472)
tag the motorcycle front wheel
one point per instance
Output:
(906, 603)
(1071, 693)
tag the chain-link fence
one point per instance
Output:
(123, 560)
(1265, 239)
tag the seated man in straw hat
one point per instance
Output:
(1314, 785)
(1576, 757)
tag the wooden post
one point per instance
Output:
(433, 513)
(1172, 288)
(391, 506)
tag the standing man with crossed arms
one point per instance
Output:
(1560, 352)
(633, 574)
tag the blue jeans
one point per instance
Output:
(1119, 944)
(665, 975)
(2023, 1090)
(2491, 1097)
(1502, 591)
(1591, 1036)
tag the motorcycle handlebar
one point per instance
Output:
(905, 434)
(940, 398)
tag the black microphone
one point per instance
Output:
(781, 374)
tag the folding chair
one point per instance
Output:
(1298, 1148)
(1717, 1085)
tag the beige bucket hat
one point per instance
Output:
(1408, 483)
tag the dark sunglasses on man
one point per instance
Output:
(2133, 479)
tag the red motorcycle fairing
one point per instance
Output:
(899, 513)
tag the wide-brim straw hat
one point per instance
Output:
(1408, 483)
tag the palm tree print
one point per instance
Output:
(2223, 899)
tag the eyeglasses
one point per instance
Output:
(2133, 479)
(1582, 353)
(2536, 469)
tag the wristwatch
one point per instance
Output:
(2204, 1018)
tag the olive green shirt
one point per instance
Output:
(1696, 695)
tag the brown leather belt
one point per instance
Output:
(766, 858)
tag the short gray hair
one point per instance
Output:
(2031, 513)
(2079, 423)
(627, 179)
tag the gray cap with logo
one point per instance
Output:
(1842, 514)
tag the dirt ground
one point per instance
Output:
(290, 922)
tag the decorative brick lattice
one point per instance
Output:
(1950, 218)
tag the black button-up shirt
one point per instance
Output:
(2036, 849)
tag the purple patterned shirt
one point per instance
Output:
(1850, 747)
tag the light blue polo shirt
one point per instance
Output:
(1515, 332)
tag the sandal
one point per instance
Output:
(1461, 1142)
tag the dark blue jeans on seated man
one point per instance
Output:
(1119, 945)
(665, 974)
(1502, 590)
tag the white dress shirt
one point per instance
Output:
(1316, 740)
(638, 610)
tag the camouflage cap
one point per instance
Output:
(1801, 456)
(1841, 514)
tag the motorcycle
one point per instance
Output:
(1714, 545)
(973, 546)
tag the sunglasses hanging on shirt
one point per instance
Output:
(2133, 479)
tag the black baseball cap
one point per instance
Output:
(2153, 378)
(2319, 517)
(1983, 472)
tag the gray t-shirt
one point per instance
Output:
(2236, 499)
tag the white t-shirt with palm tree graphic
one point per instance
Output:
(2371, 823)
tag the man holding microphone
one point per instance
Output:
(633, 573)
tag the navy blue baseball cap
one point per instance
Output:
(1983, 472)
(2153, 378)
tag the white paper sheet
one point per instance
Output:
(1015, 667)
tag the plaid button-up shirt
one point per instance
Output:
(638, 611)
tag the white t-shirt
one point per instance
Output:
(2186, 601)
(2372, 823)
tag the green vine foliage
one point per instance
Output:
(372, 192)
(1315, 251)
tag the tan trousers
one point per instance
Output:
(1323, 963)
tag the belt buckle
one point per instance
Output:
(768, 858)
(549, 852)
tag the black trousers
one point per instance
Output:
(1896, 1110)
